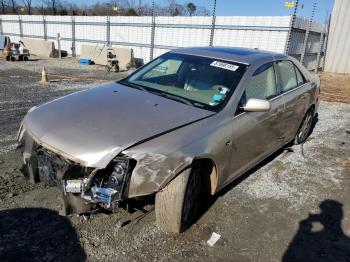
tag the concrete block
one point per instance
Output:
(125, 57)
(39, 47)
(98, 54)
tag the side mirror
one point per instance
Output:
(257, 105)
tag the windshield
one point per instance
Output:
(199, 81)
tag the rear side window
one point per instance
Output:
(287, 75)
(263, 83)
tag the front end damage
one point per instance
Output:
(84, 188)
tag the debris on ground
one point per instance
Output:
(213, 239)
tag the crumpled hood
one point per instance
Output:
(93, 126)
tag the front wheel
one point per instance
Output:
(305, 127)
(177, 205)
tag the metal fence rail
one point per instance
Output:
(297, 36)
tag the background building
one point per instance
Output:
(338, 47)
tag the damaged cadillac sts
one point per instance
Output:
(180, 128)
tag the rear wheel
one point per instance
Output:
(177, 205)
(305, 127)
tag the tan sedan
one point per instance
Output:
(181, 127)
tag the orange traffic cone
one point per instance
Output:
(44, 78)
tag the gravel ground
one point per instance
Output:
(294, 206)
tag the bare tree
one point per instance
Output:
(14, 6)
(3, 4)
(52, 4)
(73, 8)
(175, 9)
(28, 5)
(202, 11)
(104, 7)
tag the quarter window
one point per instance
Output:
(263, 83)
(287, 75)
(300, 77)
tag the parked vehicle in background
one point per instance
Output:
(181, 127)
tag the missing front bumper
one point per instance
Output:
(83, 188)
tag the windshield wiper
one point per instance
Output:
(132, 85)
(156, 92)
(177, 98)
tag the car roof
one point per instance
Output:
(235, 54)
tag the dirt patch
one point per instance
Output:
(335, 87)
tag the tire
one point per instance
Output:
(8, 58)
(305, 127)
(177, 205)
(25, 58)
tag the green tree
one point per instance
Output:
(191, 8)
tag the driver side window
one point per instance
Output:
(262, 85)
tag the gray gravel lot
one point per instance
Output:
(295, 206)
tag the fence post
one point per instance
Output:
(73, 37)
(59, 45)
(108, 31)
(212, 31)
(319, 51)
(308, 32)
(153, 28)
(1, 30)
(20, 26)
(291, 25)
(45, 28)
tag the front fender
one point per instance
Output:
(154, 171)
(161, 159)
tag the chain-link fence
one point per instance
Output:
(150, 36)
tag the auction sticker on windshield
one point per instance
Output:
(224, 65)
